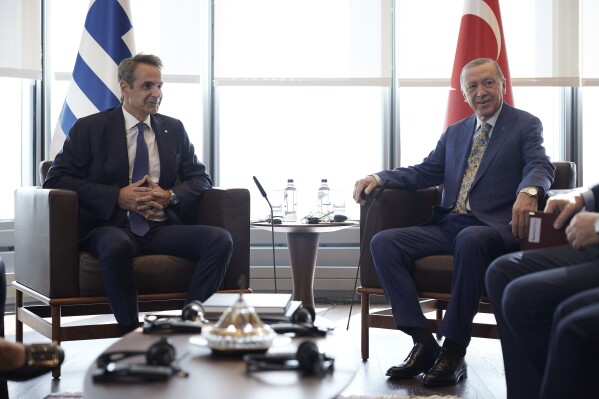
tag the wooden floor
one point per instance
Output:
(387, 348)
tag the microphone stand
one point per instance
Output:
(272, 229)
(376, 197)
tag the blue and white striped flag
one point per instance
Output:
(106, 40)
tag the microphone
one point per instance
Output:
(272, 228)
(377, 195)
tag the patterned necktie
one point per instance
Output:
(479, 145)
(141, 167)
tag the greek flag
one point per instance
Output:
(106, 40)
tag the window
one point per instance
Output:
(20, 71)
(172, 33)
(301, 88)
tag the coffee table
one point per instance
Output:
(220, 377)
(302, 240)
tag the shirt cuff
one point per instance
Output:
(378, 179)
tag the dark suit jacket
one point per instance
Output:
(94, 163)
(515, 158)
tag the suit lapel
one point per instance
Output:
(462, 151)
(117, 141)
(498, 137)
(168, 171)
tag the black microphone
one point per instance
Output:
(272, 229)
(377, 195)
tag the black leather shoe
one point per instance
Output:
(418, 361)
(449, 369)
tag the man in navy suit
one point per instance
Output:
(546, 303)
(98, 161)
(484, 210)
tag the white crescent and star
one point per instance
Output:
(481, 9)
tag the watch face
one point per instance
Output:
(597, 226)
(174, 198)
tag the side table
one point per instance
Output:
(302, 240)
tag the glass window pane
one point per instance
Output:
(590, 138)
(545, 104)
(421, 51)
(302, 38)
(16, 151)
(420, 126)
(303, 133)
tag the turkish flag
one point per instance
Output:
(481, 36)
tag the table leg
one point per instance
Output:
(303, 248)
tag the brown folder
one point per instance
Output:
(541, 233)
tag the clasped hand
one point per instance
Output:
(580, 230)
(145, 197)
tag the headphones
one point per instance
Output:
(308, 359)
(158, 367)
(302, 324)
(190, 321)
(326, 218)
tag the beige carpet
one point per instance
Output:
(397, 397)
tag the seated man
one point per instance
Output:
(138, 181)
(541, 302)
(494, 168)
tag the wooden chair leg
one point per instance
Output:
(365, 325)
(18, 323)
(55, 314)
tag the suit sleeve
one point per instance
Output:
(538, 170)
(429, 173)
(70, 170)
(193, 180)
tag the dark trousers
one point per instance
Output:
(210, 247)
(525, 289)
(572, 368)
(473, 245)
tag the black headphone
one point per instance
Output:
(308, 359)
(158, 367)
(302, 324)
(191, 321)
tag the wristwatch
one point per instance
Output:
(174, 198)
(597, 226)
(531, 191)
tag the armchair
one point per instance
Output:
(67, 282)
(433, 274)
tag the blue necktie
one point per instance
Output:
(141, 167)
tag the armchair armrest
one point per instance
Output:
(394, 208)
(46, 257)
(230, 209)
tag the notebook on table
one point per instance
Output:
(268, 306)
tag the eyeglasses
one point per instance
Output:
(487, 84)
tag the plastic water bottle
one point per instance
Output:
(324, 199)
(290, 202)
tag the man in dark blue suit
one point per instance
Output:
(124, 213)
(546, 303)
(493, 168)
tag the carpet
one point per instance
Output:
(397, 397)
